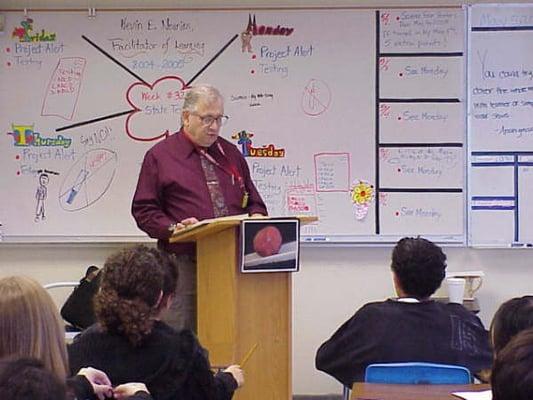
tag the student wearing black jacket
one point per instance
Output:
(411, 328)
(130, 343)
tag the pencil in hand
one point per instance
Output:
(248, 355)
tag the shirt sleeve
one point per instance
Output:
(146, 207)
(203, 383)
(80, 387)
(352, 347)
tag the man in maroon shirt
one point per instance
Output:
(190, 176)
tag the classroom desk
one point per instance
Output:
(379, 391)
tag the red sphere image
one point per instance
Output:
(267, 241)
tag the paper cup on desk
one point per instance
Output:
(456, 290)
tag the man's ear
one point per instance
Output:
(159, 299)
(185, 115)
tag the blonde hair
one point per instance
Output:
(30, 325)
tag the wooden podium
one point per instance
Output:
(237, 311)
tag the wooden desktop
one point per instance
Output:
(379, 391)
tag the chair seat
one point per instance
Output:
(417, 373)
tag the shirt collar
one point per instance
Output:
(184, 147)
(407, 300)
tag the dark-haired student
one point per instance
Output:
(27, 378)
(512, 317)
(410, 328)
(512, 373)
(130, 342)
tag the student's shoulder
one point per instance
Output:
(375, 308)
(92, 331)
(458, 310)
(182, 340)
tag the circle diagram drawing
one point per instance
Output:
(88, 179)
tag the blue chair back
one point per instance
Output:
(417, 373)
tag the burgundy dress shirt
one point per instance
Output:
(172, 187)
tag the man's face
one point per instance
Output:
(201, 133)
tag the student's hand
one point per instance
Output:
(129, 389)
(99, 381)
(237, 373)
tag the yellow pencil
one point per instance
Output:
(248, 355)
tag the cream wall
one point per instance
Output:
(332, 283)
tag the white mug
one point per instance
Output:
(456, 290)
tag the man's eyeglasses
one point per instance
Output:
(207, 120)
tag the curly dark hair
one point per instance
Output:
(512, 376)
(131, 286)
(513, 316)
(169, 266)
(419, 266)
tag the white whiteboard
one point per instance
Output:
(342, 96)
(501, 125)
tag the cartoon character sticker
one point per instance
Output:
(362, 193)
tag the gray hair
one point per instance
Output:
(200, 93)
(195, 94)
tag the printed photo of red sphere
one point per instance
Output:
(270, 245)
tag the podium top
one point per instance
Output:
(208, 227)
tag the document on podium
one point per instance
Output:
(480, 395)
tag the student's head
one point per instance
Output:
(512, 372)
(418, 266)
(203, 114)
(169, 266)
(28, 379)
(130, 293)
(513, 316)
(30, 325)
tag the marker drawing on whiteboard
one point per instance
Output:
(320, 239)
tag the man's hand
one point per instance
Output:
(184, 223)
(189, 221)
(237, 373)
(99, 381)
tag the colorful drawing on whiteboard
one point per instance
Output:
(316, 98)
(362, 194)
(25, 33)
(88, 179)
(148, 101)
(41, 194)
(158, 104)
(64, 88)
